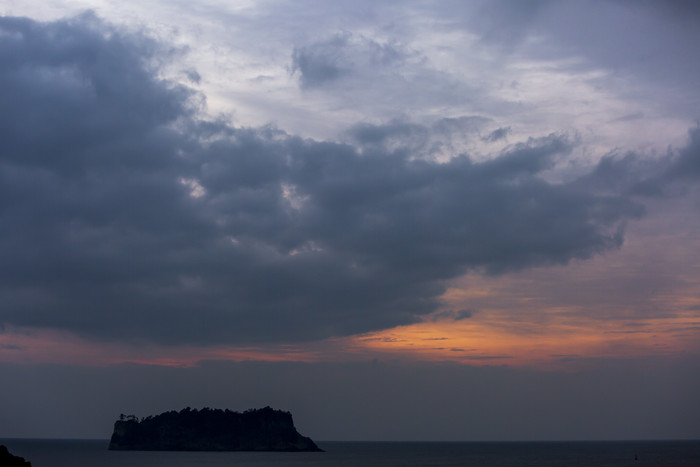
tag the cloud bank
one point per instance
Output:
(124, 215)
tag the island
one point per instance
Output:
(9, 460)
(208, 429)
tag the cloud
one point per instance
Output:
(629, 117)
(439, 140)
(641, 175)
(505, 22)
(497, 135)
(687, 165)
(650, 60)
(323, 62)
(452, 315)
(125, 216)
(10, 347)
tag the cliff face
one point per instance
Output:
(211, 430)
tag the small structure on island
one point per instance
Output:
(264, 429)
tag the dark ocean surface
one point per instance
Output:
(87, 453)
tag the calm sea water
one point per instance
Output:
(88, 453)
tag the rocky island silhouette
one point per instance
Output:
(208, 429)
(9, 460)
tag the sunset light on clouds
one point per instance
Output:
(484, 194)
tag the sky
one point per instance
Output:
(397, 220)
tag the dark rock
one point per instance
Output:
(8, 460)
(211, 430)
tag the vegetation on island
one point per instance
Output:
(208, 429)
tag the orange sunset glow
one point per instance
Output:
(557, 343)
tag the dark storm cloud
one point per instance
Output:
(421, 139)
(124, 216)
(389, 135)
(497, 135)
(326, 61)
(452, 315)
(313, 70)
(640, 175)
(630, 173)
(687, 165)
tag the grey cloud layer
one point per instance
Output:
(656, 45)
(633, 174)
(651, 59)
(124, 216)
(327, 61)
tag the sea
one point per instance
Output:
(87, 453)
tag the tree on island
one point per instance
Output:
(208, 429)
